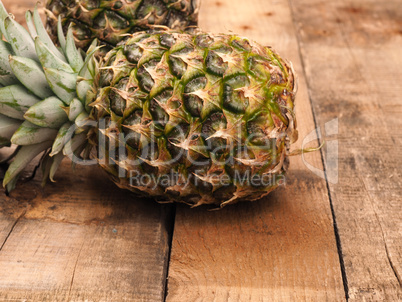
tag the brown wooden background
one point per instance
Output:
(82, 239)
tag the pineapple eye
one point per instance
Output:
(164, 96)
(256, 134)
(149, 152)
(177, 134)
(242, 152)
(257, 129)
(203, 40)
(152, 9)
(193, 103)
(196, 84)
(159, 116)
(117, 102)
(212, 124)
(132, 138)
(215, 64)
(258, 68)
(177, 66)
(81, 32)
(241, 44)
(234, 100)
(134, 118)
(167, 40)
(145, 80)
(106, 77)
(115, 20)
(133, 52)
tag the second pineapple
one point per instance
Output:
(109, 20)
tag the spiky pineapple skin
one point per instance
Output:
(107, 20)
(214, 110)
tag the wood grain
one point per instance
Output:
(352, 56)
(281, 248)
(82, 239)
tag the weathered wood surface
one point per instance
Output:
(281, 248)
(82, 239)
(352, 53)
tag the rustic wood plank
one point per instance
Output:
(281, 248)
(352, 57)
(10, 213)
(81, 239)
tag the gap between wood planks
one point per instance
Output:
(170, 224)
(336, 231)
(12, 228)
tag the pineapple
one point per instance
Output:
(196, 118)
(109, 20)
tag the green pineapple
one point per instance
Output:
(194, 118)
(109, 20)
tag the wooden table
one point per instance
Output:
(82, 239)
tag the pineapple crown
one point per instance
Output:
(43, 94)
